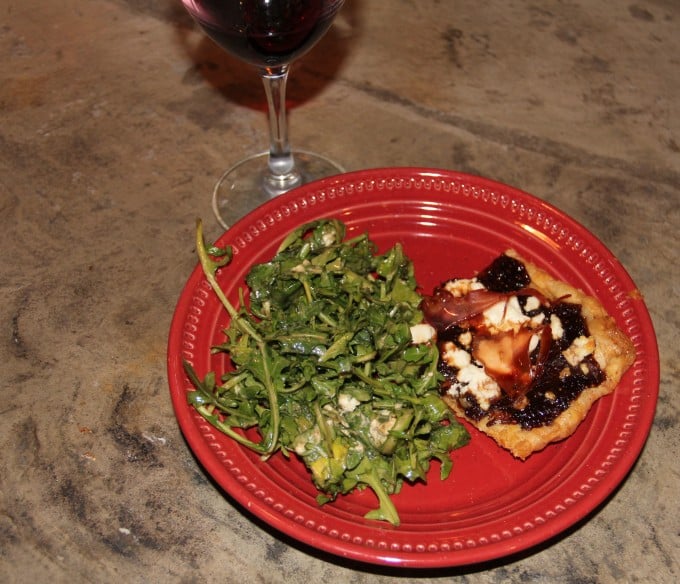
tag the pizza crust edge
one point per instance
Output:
(614, 352)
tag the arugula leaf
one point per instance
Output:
(324, 367)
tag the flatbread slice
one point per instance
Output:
(613, 352)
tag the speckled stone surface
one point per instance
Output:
(117, 116)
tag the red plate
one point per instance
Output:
(492, 505)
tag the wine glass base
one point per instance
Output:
(242, 187)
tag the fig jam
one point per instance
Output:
(573, 323)
(549, 396)
(504, 274)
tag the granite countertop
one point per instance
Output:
(117, 116)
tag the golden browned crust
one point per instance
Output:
(614, 353)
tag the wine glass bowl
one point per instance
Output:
(270, 35)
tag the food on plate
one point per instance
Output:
(524, 355)
(330, 361)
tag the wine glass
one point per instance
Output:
(269, 34)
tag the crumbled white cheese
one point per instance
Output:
(465, 338)
(301, 268)
(328, 238)
(537, 320)
(302, 441)
(470, 377)
(579, 350)
(463, 286)
(379, 429)
(422, 333)
(556, 327)
(266, 307)
(347, 403)
(493, 316)
(505, 315)
(532, 303)
(476, 382)
(533, 342)
(455, 357)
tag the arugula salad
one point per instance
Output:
(323, 364)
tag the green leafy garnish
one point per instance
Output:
(324, 365)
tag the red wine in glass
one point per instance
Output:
(269, 34)
(265, 34)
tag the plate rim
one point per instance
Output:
(242, 233)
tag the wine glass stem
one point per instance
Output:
(282, 174)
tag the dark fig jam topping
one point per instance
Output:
(553, 391)
(573, 323)
(556, 385)
(451, 334)
(504, 274)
